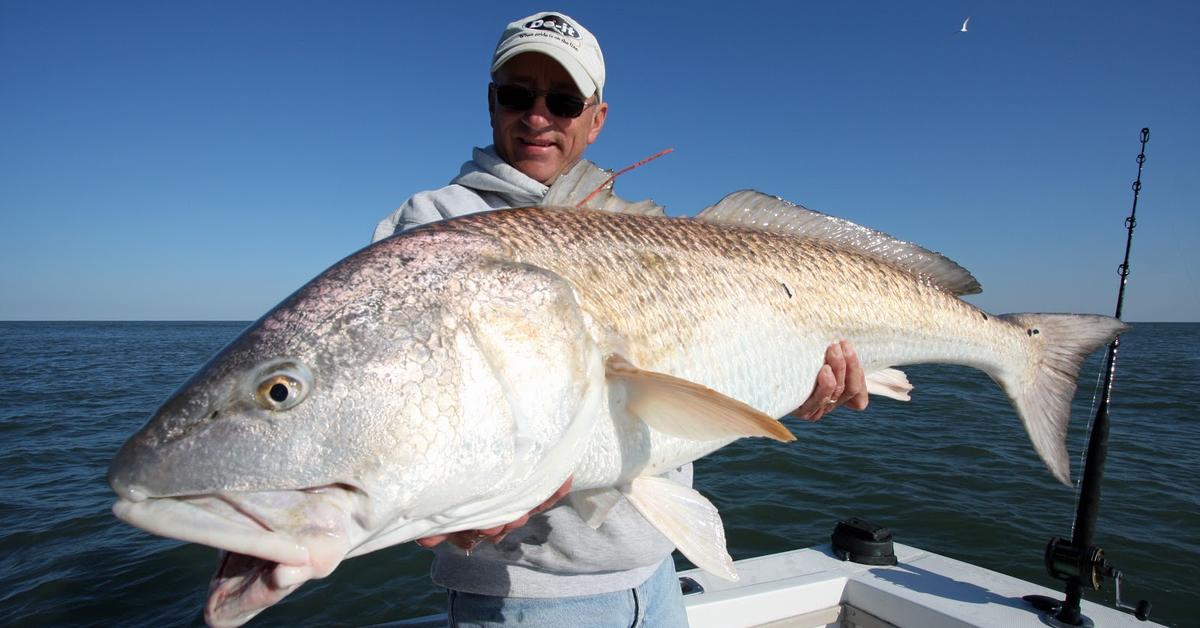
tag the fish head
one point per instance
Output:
(424, 385)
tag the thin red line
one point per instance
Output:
(627, 169)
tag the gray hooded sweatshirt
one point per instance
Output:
(556, 554)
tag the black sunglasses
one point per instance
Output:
(521, 98)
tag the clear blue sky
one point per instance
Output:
(169, 160)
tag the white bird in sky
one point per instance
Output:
(964, 28)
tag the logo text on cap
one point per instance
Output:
(553, 23)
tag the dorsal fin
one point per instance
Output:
(585, 177)
(755, 210)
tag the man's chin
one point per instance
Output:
(542, 169)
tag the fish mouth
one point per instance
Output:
(263, 556)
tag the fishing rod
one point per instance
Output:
(1077, 561)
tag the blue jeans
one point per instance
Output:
(656, 603)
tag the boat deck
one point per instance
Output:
(812, 587)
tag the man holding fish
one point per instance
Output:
(460, 376)
(549, 567)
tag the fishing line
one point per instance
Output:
(1091, 421)
(609, 180)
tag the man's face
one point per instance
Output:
(537, 142)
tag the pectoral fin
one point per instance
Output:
(687, 409)
(593, 504)
(889, 383)
(685, 517)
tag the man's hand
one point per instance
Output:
(468, 539)
(841, 382)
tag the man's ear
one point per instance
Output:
(597, 122)
(491, 100)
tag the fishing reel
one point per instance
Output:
(1065, 561)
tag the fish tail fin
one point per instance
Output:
(1042, 391)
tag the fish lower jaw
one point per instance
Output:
(243, 586)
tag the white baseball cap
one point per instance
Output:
(561, 38)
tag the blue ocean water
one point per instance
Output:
(950, 472)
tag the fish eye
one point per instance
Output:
(280, 392)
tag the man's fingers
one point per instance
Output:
(495, 535)
(468, 539)
(854, 395)
(430, 541)
(836, 360)
(512, 526)
(840, 382)
(813, 407)
(500, 533)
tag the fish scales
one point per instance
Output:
(661, 283)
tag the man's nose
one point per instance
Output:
(539, 114)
